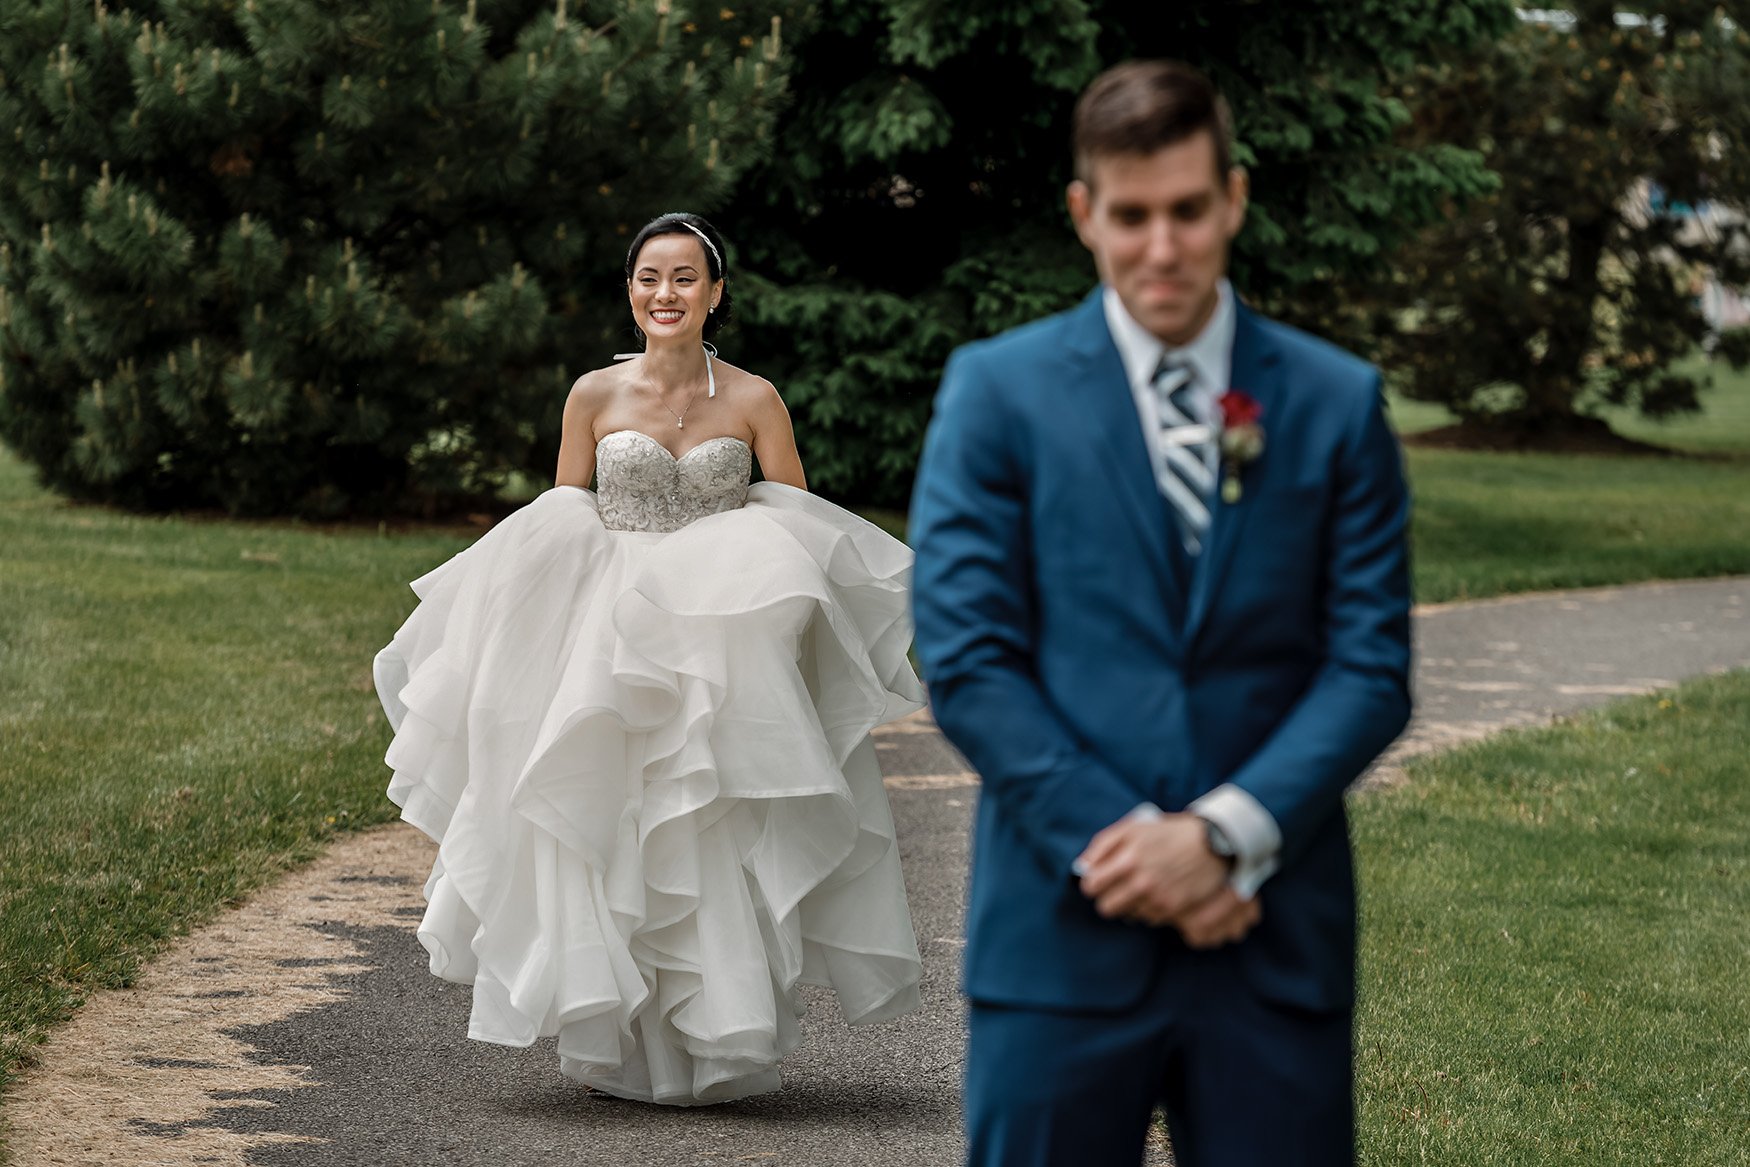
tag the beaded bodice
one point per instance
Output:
(640, 486)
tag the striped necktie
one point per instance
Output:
(1187, 480)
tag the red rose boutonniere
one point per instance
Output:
(1242, 439)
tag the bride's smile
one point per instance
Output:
(671, 290)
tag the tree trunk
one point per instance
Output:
(1560, 376)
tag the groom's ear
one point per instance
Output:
(1239, 194)
(1079, 197)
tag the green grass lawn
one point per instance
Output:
(1554, 943)
(185, 710)
(1488, 524)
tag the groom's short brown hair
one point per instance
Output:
(1141, 106)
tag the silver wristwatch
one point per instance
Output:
(1219, 842)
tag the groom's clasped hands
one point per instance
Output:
(1158, 870)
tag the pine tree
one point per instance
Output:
(1574, 284)
(915, 195)
(282, 255)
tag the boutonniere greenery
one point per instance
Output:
(1242, 439)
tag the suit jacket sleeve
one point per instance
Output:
(974, 602)
(1359, 699)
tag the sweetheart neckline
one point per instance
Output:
(672, 455)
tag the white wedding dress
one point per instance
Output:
(637, 724)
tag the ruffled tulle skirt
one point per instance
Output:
(646, 761)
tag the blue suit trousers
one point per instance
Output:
(1243, 1082)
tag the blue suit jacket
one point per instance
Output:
(1083, 664)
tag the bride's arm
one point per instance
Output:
(774, 442)
(577, 435)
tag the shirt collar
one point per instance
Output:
(1210, 352)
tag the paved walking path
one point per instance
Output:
(302, 1028)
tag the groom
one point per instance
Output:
(1163, 608)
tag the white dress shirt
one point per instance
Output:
(1251, 829)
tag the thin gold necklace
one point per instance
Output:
(680, 419)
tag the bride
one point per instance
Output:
(636, 721)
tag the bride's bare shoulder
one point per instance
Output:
(598, 386)
(749, 388)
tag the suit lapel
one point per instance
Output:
(1102, 402)
(1257, 370)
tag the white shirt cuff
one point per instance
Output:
(1256, 839)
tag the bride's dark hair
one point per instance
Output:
(695, 226)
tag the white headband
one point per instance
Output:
(708, 246)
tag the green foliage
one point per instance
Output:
(914, 198)
(1575, 285)
(277, 256)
